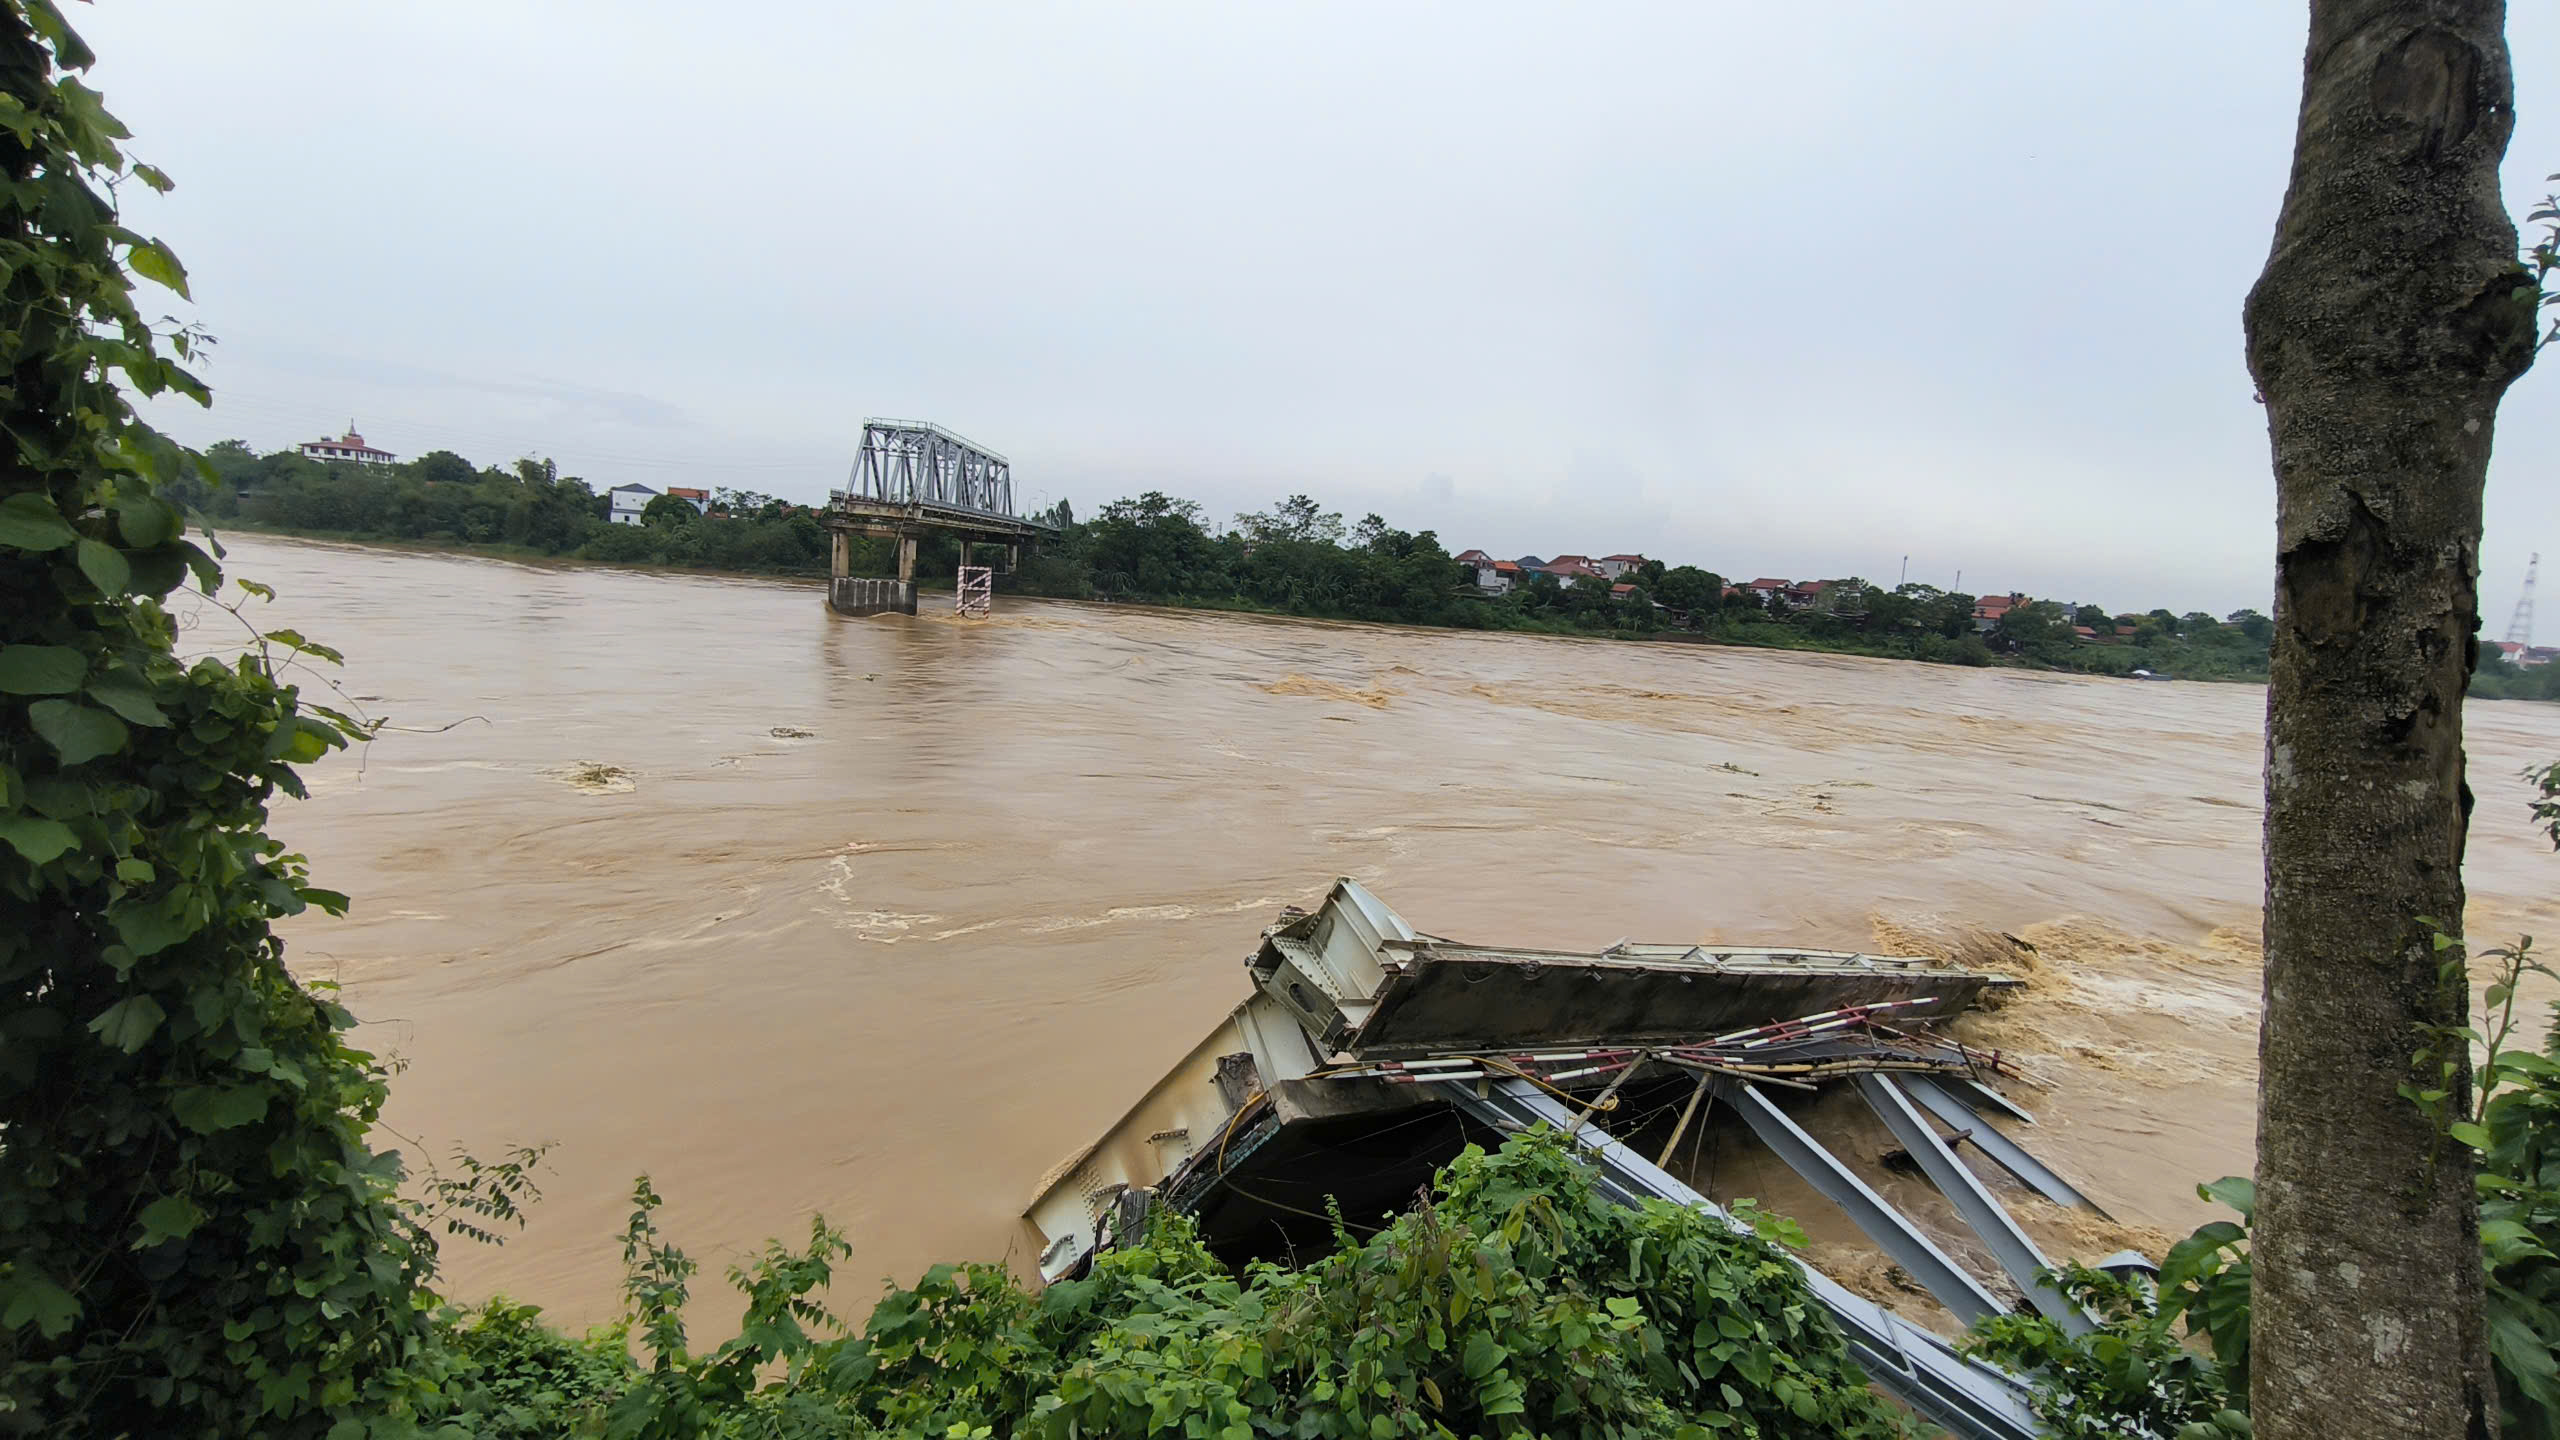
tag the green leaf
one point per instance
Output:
(1482, 1356)
(149, 928)
(105, 566)
(129, 1023)
(2463, 1131)
(41, 669)
(208, 1108)
(208, 574)
(153, 261)
(147, 521)
(38, 839)
(2235, 1191)
(152, 176)
(28, 1298)
(128, 698)
(134, 872)
(171, 1217)
(76, 732)
(28, 521)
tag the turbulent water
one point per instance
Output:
(883, 917)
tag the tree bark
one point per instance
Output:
(2391, 316)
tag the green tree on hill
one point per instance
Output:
(668, 510)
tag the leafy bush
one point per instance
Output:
(1513, 1301)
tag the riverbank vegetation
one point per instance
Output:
(1294, 559)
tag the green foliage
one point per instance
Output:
(1513, 1301)
(2131, 1378)
(195, 1236)
(527, 1382)
(668, 510)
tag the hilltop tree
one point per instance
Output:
(666, 510)
(440, 467)
(1296, 518)
(2391, 316)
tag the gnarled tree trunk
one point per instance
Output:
(2391, 316)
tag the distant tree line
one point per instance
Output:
(1296, 558)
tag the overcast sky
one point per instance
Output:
(1787, 291)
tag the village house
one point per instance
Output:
(700, 500)
(1491, 576)
(1764, 587)
(1617, 566)
(627, 503)
(347, 449)
(1987, 609)
(1572, 570)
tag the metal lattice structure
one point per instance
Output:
(975, 595)
(914, 462)
(2520, 628)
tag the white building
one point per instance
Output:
(347, 449)
(628, 502)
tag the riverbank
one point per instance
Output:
(1745, 636)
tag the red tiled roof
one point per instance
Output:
(1765, 583)
(1630, 559)
(2084, 632)
(1622, 588)
(1570, 565)
(1814, 587)
(683, 494)
(1506, 567)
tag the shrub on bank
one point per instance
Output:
(1514, 1300)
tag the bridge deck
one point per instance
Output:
(889, 517)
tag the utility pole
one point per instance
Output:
(1906, 573)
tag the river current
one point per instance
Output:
(882, 918)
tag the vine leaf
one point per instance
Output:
(28, 521)
(127, 698)
(171, 1217)
(208, 1108)
(77, 732)
(129, 1023)
(105, 566)
(147, 520)
(41, 669)
(153, 261)
(38, 839)
(33, 1299)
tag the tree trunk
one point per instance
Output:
(2391, 316)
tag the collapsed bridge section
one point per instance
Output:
(1370, 1053)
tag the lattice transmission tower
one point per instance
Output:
(2520, 629)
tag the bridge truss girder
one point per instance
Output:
(912, 462)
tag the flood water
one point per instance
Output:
(883, 918)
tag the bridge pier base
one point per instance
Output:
(861, 595)
(907, 563)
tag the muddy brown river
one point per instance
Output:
(884, 917)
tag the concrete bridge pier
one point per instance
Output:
(851, 594)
